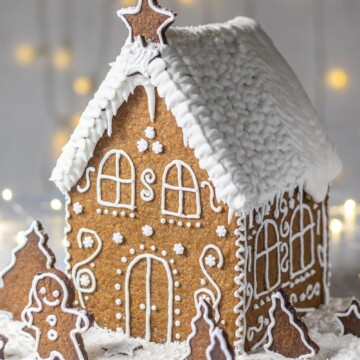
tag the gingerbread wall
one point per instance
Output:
(149, 263)
(287, 247)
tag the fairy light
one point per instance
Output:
(349, 208)
(62, 58)
(186, 2)
(336, 227)
(25, 54)
(7, 195)
(60, 138)
(128, 2)
(82, 86)
(75, 119)
(337, 78)
(56, 204)
(20, 237)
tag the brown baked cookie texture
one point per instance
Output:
(148, 20)
(349, 319)
(3, 341)
(58, 325)
(288, 335)
(31, 257)
(207, 341)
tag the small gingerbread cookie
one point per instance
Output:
(288, 335)
(219, 348)
(3, 341)
(58, 326)
(29, 258)
(349, 319)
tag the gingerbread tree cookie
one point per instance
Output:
(288, 335)
(349, 319)
(147, 20)
(29, 258)
(3, 341)
(58, 326)
(219, 348)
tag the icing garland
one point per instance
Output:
(216, 209)
(77, 274)
(149, 258)
(215, 300)
(148, 178)
(88, 181)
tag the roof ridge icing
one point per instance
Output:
(240, 107)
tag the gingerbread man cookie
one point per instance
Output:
(3, 341)
(58, 326)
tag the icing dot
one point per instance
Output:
(177, 311)
(198, 225)
(203, 282)
(119, 271)
(223, 322)
(163, 253)
(115, 213)
(177, 284)
(142, 247)
(178, 298)
(163, 221)
(188, 225)
(118, 302)
(177, 323)
(99, 211)
(147, 230)
(42, 291)
(142, 306)
(118, 316)
(178, 336)
(171, 221)
(153, 247)
(52, 335)
(123, 214)
(153, 308)
(180, 223)
(124, 259)
(132, 215)
(76, 302)
(175, 272)
(87, 297)
(106, 211)
(56, 293)
(172, 261)
(132, 251)
(117, 287)
(92, 265)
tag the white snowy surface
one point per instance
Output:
(323, 327)
(240, 107)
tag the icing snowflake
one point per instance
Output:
(78, 208)
(150, 132)
(118, 238)
(179, 249)
(210, 261)
(88, 242)
(221, 231)
(85, 280)
(157, 147)
(142, 145)
(147, 230)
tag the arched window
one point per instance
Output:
(302, 240)
(116, 180)
(180, 191)
(267, 254)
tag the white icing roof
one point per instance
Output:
(240, 106)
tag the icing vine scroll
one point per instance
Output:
(88, 182)
(205, 184)
(215, 300)
(148, 178)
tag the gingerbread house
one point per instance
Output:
(199, 168)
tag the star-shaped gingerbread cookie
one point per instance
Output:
(147, 20)
(349, 319)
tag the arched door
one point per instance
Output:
(148, 296)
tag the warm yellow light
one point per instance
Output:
(62, 58)
(60, 138)
(82, 85)
(337, 78)
(128, 2)
(186, 2)
(75, 119)
(25, 54)
(349, 208)
(56, 204)
(336, 226)
(7, 194)
(20, 237)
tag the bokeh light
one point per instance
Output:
(25, 54)
(337, 78)
(128, 2)
(60, 138)
(56, 204)
(82, 86)
(336, 227)
(7, 194)
(62, 58)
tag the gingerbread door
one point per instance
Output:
(149, 298)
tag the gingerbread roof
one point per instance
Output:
(240, 106)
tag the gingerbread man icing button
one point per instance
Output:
(58, 326)
(3, 341)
